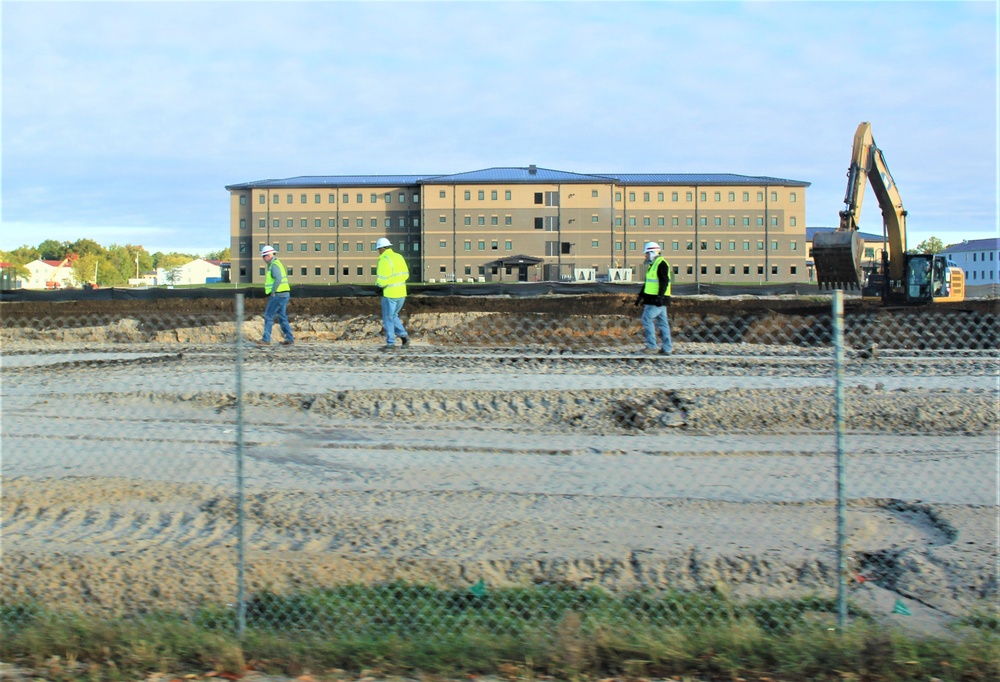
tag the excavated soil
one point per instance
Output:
(497, 448)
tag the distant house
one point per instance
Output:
(198, 271)
(8, 278)
(979, 258)
(49, 274)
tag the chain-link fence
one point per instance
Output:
(502, 470)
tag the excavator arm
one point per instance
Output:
(837, 255)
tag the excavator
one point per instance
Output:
(901, 278)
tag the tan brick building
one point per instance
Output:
(523, 224)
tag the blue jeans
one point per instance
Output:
(277, 306)
(390, 319)
(655, 317)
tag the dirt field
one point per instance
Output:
(514, 462)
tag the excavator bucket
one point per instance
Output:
(837, 257)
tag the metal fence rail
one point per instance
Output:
(502, 471)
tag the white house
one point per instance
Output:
(979, 258)
(48, 274)
(198, 271)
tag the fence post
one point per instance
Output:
(838, 370)
(241, 607)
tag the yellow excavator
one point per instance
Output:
(900, 278)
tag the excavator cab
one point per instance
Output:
(919, 278)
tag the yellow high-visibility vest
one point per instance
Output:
(392, 274)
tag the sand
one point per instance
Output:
(712, 469)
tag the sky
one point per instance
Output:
(124, 121)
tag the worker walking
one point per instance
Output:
(655, 297)
(278, 291)
(392, 276)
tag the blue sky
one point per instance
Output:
(124, 121)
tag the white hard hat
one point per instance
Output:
(650, 246)
(267, 250)
(382, 243)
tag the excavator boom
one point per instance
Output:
(837, 255)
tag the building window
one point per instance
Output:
(746, 221)
(760, 244)
(631, 197)
(674, 221)
(594, 219)
(659, 196)
(660, 221)
(494, 220)
(493, 194)
(746, 196)
(645, 196)
(333, 222)
(631, 246)
(262, 199)
(690, 269)
(481, 220)
(760, 269)
(360, 222)
(618, 246)
(732, 269)
(703, 221)
(689, 221)
(704, 246)
(346, 222)
(791, 221)
(718, 269)
(360, 270)
(243, 223)
(593, 193)
(594, 243)
(538, 198)
(718, 245)
(618, 222)
(468, 220)
(673, 196)
(508, 220)
(674, 245)
(618, 196)
(793, 270)
(792, 198)
(774, 269)
(346, 247)
(468, 245)
(702, 197)
(506, 194)
(774, 245)
(774, 197)
(732, 244)
(443, 244)
(645, 222)
(443, 219)
(262, 223)
(760, 221)
(746, 269)
(482, 245)
(539, 223)
(494, 245)
(746, 245)
(360, 247)
(442, 194)
(689, 246)
(508, 245)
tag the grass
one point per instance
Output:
(516, 633)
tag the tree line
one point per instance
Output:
(105, 266)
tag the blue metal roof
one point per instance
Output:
(515, 175)
(332, 181)
(528, 174)
(990, 244)
(701, 179)
(867, 236)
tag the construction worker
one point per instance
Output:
(655, 297)
(392, 276)
(278, 291)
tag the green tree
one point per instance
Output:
(222, 255)
(929, 245)
(86, 247)
(50, 249)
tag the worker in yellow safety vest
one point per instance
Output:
(278, 292)
(655, 297)
(392, 276)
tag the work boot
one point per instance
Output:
(405, 340)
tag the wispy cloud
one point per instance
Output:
(137, 114)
